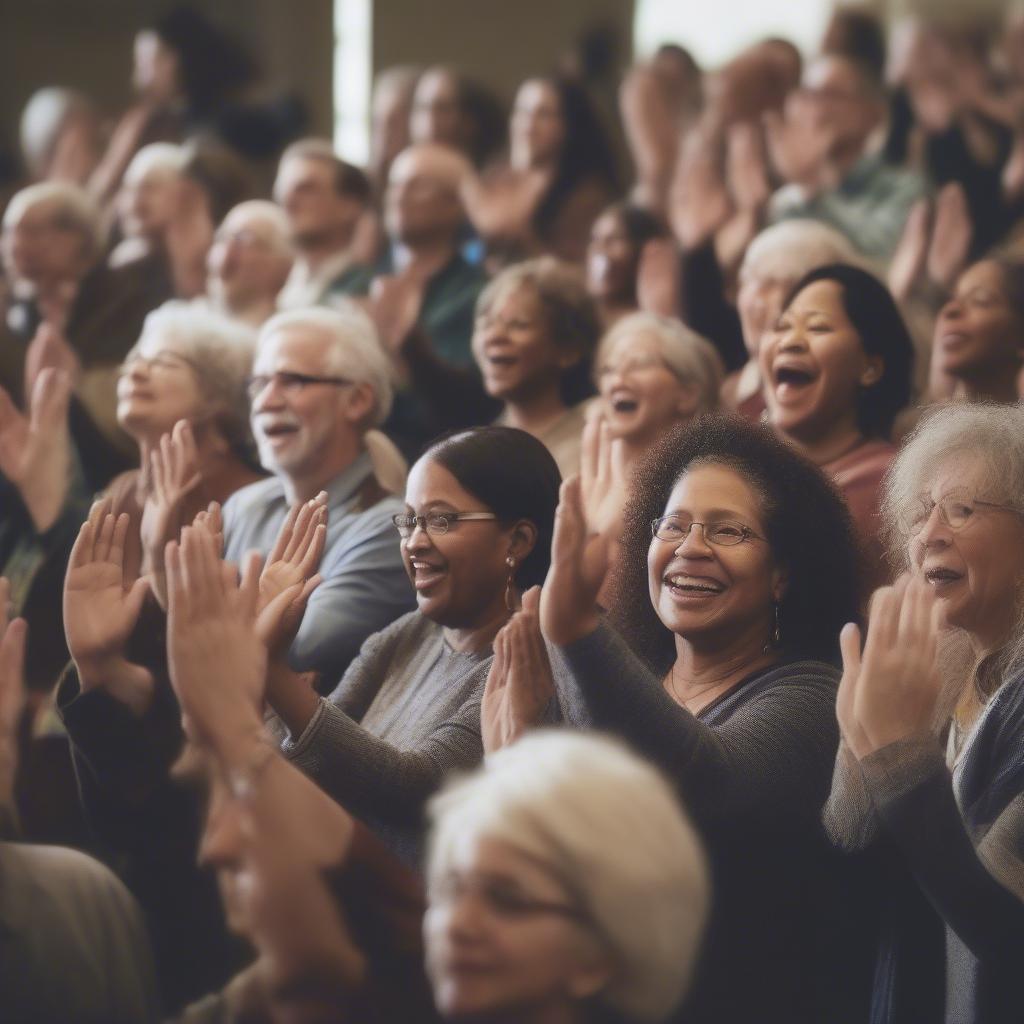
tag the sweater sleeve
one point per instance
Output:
(913, 792)
(767, 763)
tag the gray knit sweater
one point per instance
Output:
(405, 714)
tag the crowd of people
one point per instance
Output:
(519, 582)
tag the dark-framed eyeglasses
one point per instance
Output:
(434, 522)
(722, 532)
(289, 382)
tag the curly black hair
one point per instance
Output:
(876, 318)
(806, 522)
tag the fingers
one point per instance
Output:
(298, 533)
(249, 588)
(570, 528)
(117, 539)
(849, 647)
(589, 453)
(497, 674)
(104, 539)
(50, 398)
(531, 601)
(12, 671)
(284, 535)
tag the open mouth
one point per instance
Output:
(273, 431)
(942, 576)
(426, 575)
(681, 584)
(625, 406)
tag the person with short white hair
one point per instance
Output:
(653, 372)
(774, 261)
(320, 383)
(249, 261)
(565, 883)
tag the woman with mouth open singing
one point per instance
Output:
(931, 766)
(736, 569)
(836, 369)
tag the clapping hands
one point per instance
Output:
(519, 684)
(891, 690)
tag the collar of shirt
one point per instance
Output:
(305, 287)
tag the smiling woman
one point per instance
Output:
(737, 569)
(952, 806)
(836, 369)
(476, 532)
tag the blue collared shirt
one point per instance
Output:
(365, 586)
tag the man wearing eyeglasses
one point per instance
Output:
(320, 381)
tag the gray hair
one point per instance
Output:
(164, 158)
(74, 209)
(221, 350)
(792, 248)
(689, 355)
(611, 829)
(355, 351)
(994, 436)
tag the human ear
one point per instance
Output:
(688, 400)
(590, 976)
(780, 583)
(522, 539)
(359, 403)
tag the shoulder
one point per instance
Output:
(807, 675)
(866, 464)
(253, 496)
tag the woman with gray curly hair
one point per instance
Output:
(564, 884)
(931, 762)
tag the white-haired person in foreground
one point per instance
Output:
(930, 770)
(565, 885)
(774, 261)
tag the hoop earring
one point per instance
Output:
(776, 637)
(510, 603)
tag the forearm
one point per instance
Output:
(292, 696)
(913, 791)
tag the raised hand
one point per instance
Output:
(890, 692)
(211, 519)
(217, 663)
(174, 474)
(747, 166)
(394, 306)
(798, 146)
(909, 258)
(519, 684)
(291, 567)
(101, 610)
(35, 450)
(699, 203)
(12, 691)
(579, 564)
(49, 348)
(604, 479)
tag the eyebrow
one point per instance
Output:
(712, 513)
(432, 506)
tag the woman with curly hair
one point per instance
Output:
(736, 571)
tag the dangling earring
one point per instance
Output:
(510, 602)
(775, 638)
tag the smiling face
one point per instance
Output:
(978, 332)
(712, 593)
(814, 364)
(640, 395)
(976, 570)
(157, 387)
(513, 346)
(459, 576)
(504, 941)
(307, 431)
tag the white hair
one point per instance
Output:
(221, 349)
(163, 158)
(355, 351)
(276, 220)
(74, 209)
(792, 248)
(689, 355)
(611, 829)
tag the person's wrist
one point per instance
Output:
(125, 682)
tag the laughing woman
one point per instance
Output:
(476, 532)
(736, 569)
(952, 809)
(836, 371)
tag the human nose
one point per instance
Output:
(935, 530)
(694, 544)
(270, 396)
(418, 538)
(952, 310)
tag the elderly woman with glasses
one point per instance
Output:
(930, 768)
(736, 569)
